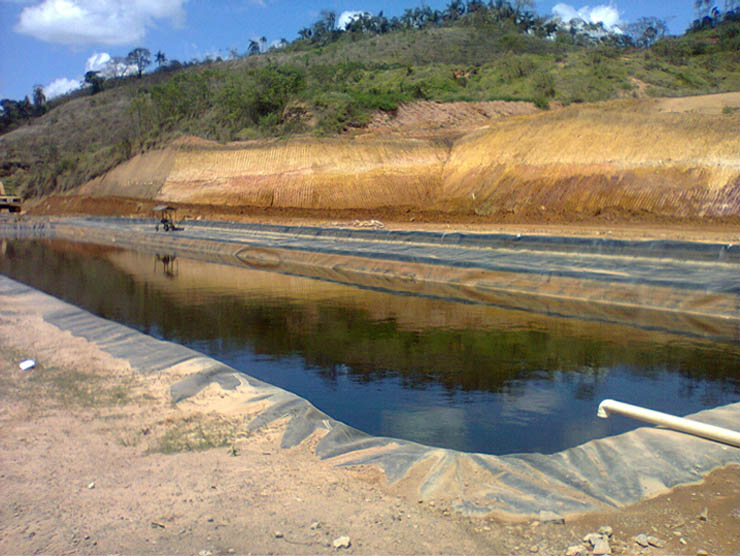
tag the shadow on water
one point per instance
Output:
(464, 376)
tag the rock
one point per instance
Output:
(601, 547)
(704, 515)
(642, 540)
(91, 485)
(278, 535)
(534, 549)
(591, 538)
(576, 550)
(547, 516)
(702, 552)
(342, 542)
(315, 525)
(656, 542)
(606, 531)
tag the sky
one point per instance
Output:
(54, 42)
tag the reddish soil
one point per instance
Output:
(724, 230)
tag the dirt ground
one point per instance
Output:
(607, 225)
(95, 459)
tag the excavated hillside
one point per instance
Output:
(674, 159)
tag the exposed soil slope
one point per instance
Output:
(648, 159)
(626, 157)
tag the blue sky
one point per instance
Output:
(49, 42)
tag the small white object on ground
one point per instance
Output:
(27, 365)
(342, 542)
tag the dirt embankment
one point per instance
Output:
(96, 459)
(619, 161)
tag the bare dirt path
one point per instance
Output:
(617, 226)
(95, 459)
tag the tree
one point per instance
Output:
(524, 5)
(118, 66)
(39, 98)
(703, 8)
(160, 58)
(253, 48)
(454, 10)
(141, 58)
(646, 31)
(95, 81)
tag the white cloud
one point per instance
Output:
(111, 22)
(608, 15)
(97, 61)
(60, 86)
(346, 18)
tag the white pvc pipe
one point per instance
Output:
(681, 424)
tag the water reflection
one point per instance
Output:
(465, 376)
(168, 265)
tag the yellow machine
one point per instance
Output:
(10, 202)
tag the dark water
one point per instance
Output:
(468, 377)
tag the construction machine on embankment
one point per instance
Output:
(10, 202)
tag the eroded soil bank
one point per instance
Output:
(649, 161)
(96, 459)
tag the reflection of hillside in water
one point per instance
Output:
(369, 335)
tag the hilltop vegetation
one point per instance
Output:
(329, 82)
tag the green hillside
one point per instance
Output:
(331, 82)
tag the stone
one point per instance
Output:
(702, 552)
(91, 485)
(591, 538)
(342, 542)
(534, 549)
(278, 535)
(642, 540)
(704, 515)
(601, 547)
(576, 550)
(656, 542)
(606, 531)
(315, 525)
(547, 516)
